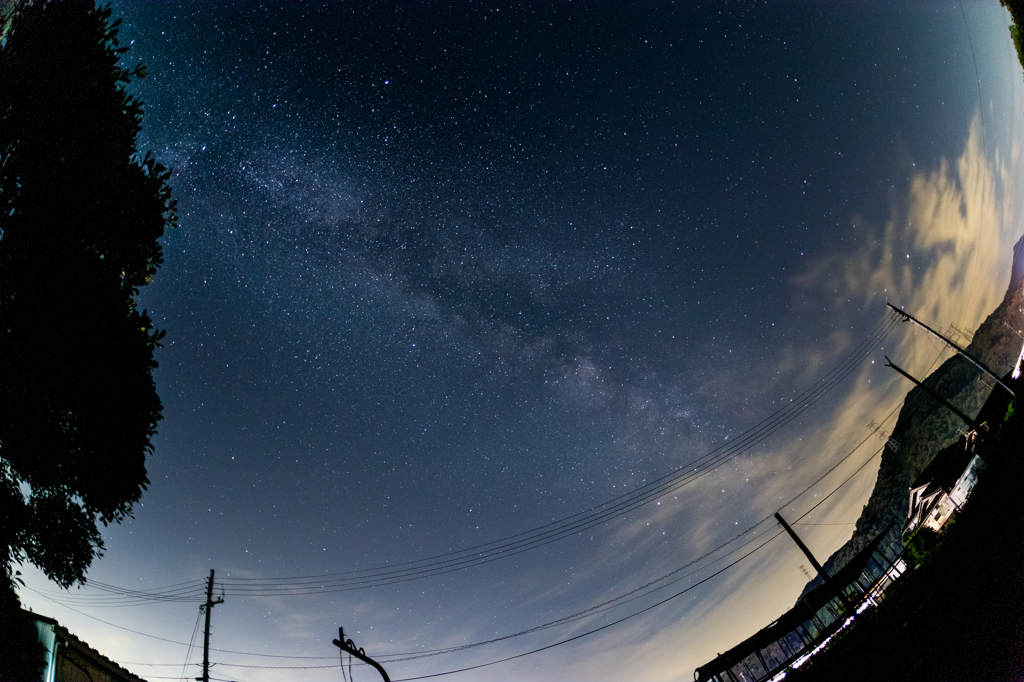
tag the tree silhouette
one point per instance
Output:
(80, 215)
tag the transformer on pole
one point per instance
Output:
(977, 363)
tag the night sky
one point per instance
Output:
(447, 273)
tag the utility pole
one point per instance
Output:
(349, 646)
(961, 351)
(803, 547)
(210, 603)
(967, 420)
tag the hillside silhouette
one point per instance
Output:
(925, 426)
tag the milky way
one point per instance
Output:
(445, 274)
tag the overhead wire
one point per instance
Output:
(648, 608)
(164, 639)
(105, 622)
(603, 627)
(624, 598)
(632, 595)
(570, 525)
(112, 596)
(598, 629)
(534, 629)
(515, 544)
(188, 654)
(599, 607)
(808, 396)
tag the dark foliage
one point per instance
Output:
(80, 215)
(1016, 8)
(923, 545)
(22, 655)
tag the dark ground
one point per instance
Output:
(959, 615)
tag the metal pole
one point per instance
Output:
(961, 351)
(967, 420)
(349, 646)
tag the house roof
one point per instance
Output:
(946, 467)
(98, 659)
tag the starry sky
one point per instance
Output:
(449, 274)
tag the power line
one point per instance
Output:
(514, 544)
(112, 595)
(122, 598)
(652, 606)
(598, 629)
(580, 636)
(570, 525)
(120, 627)
(191, 642)
(586, 612)
(164, 639)
(599, 607)
(611, 603)
(809, 397)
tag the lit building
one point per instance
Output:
(944, 485)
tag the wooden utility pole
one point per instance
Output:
(961, 351)
(967, 420)
(210, 603)
(349, 646)
(803, 547)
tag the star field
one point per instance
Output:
(448, 273)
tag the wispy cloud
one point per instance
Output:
(944, 254)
